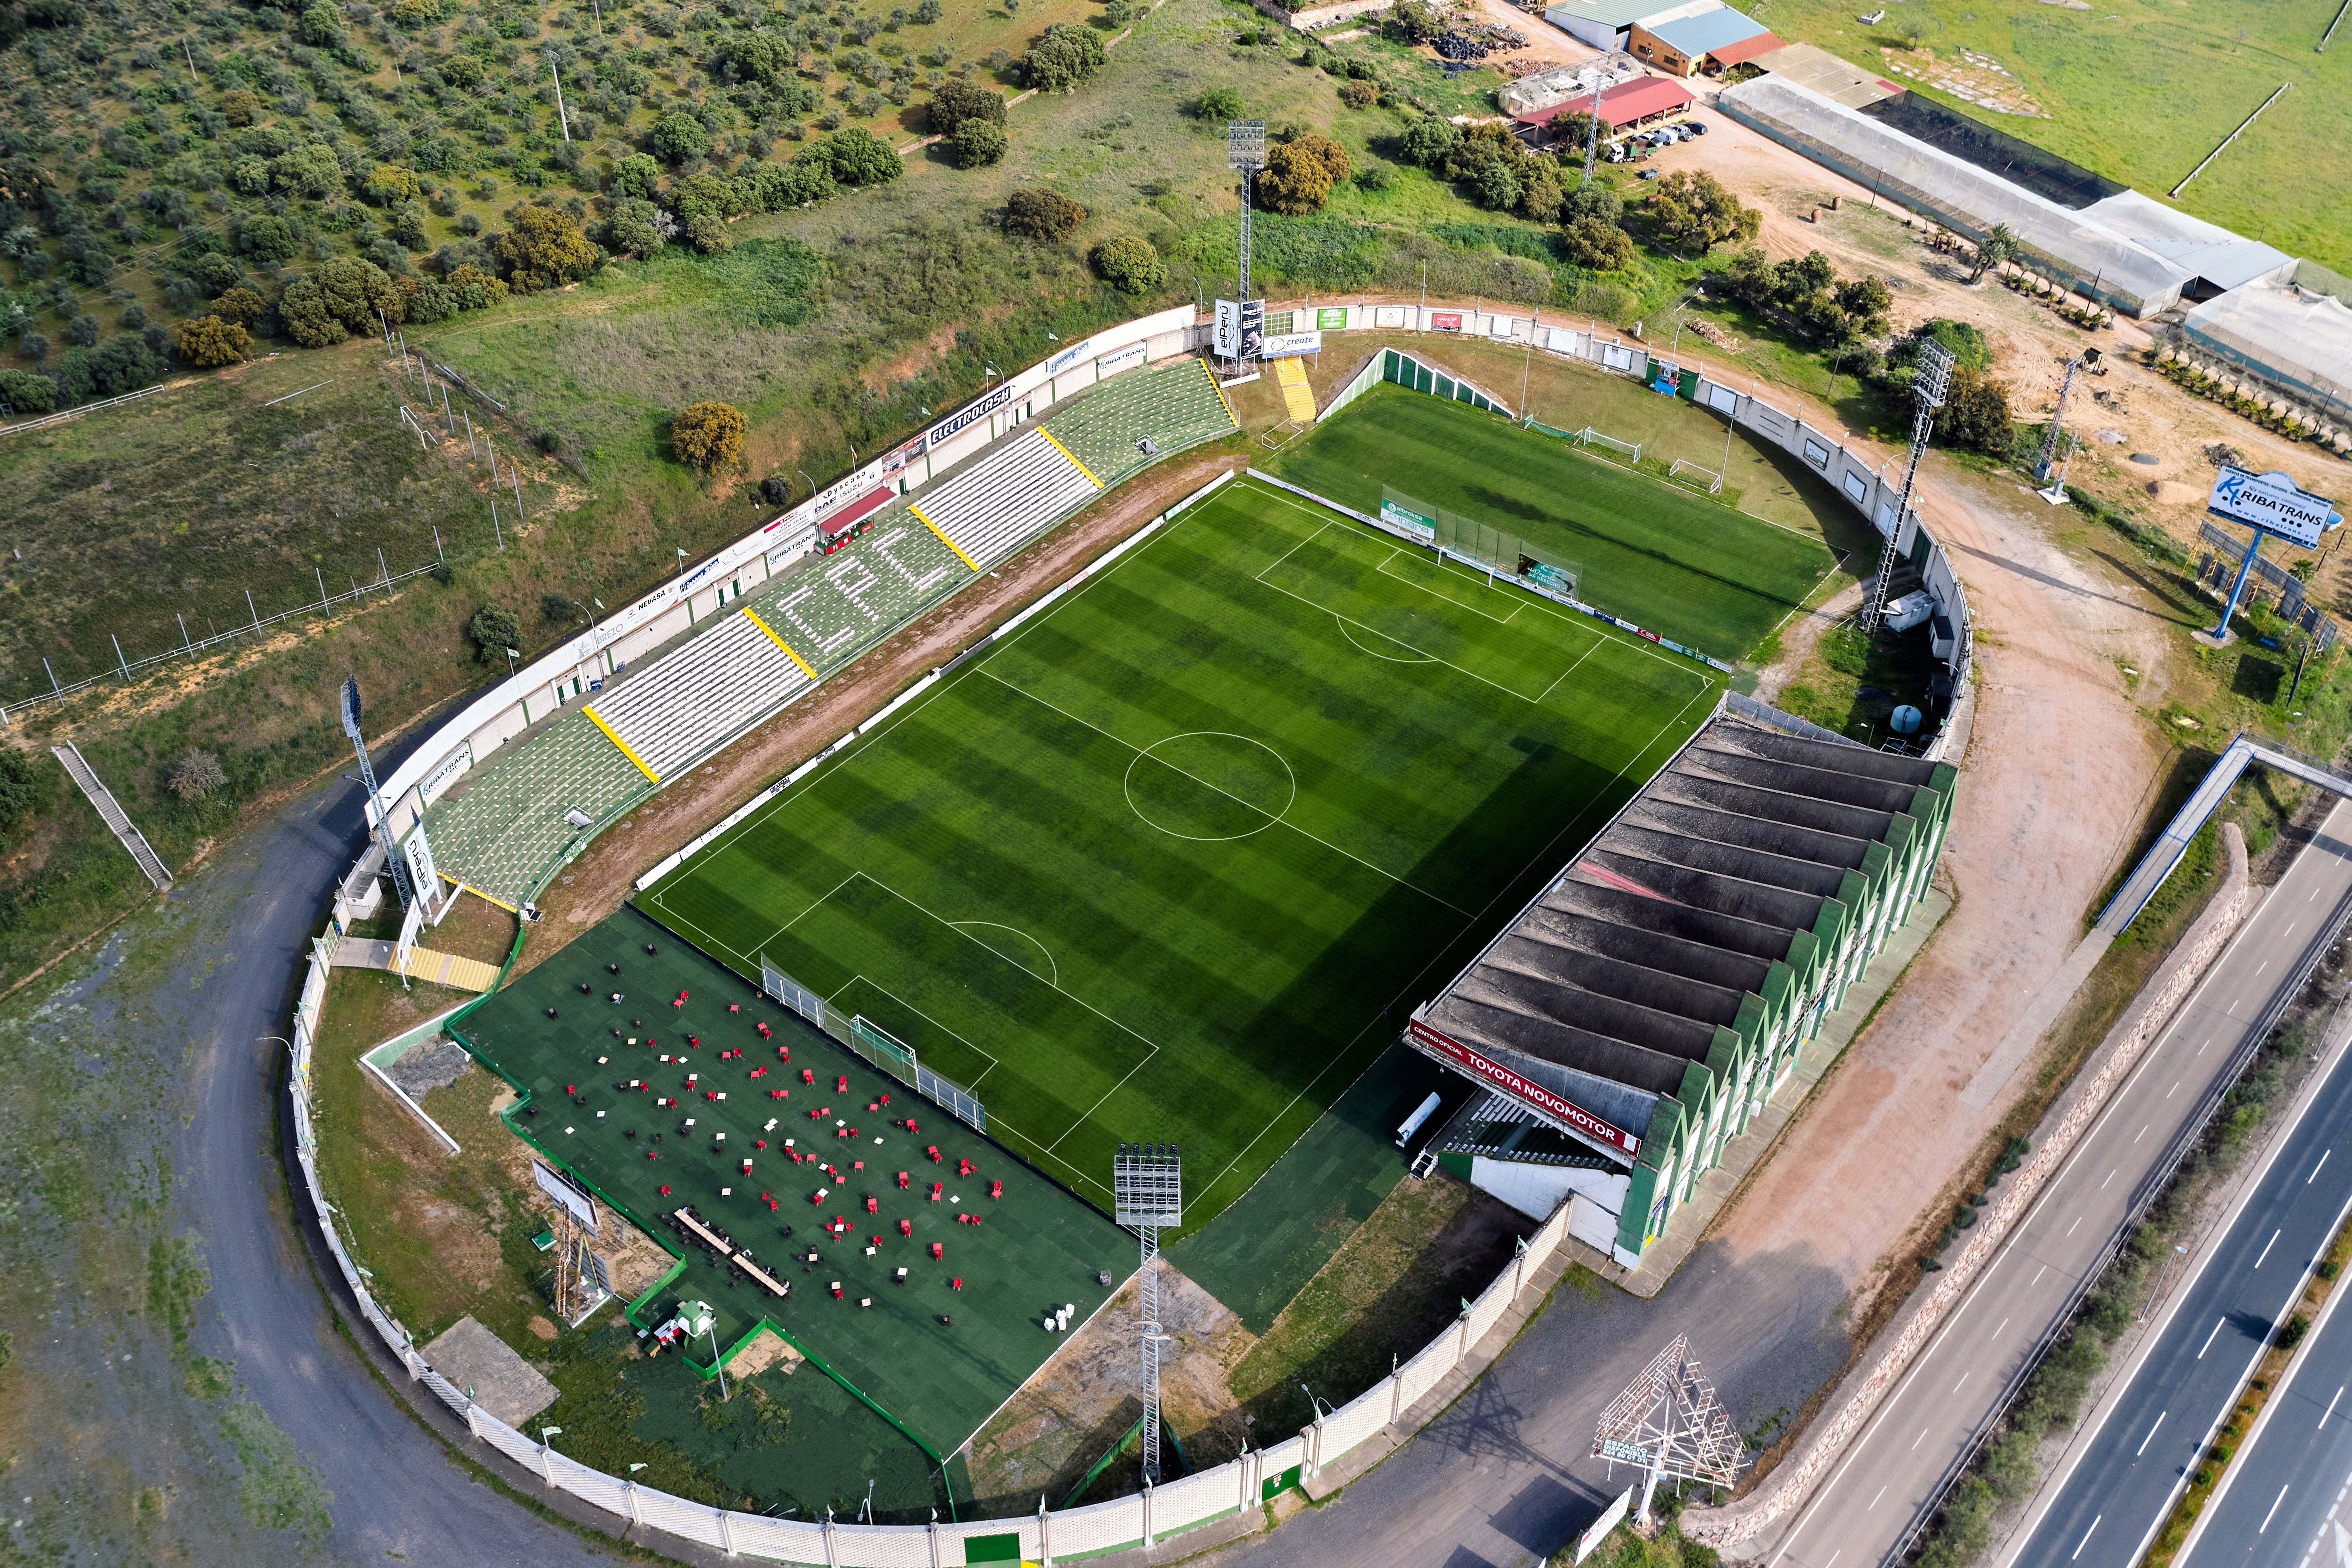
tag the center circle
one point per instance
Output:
(1209, 785)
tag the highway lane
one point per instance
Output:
(1899, 1461)
(2112, 1491)
(2281, 1501)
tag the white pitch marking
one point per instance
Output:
(2144, 1442)
(2211, 1338)
(2266, 1248)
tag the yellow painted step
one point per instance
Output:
(1290, 374)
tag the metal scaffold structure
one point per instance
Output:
(1148, 1192)
(1669, 1421)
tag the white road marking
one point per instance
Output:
(2086, 1538)
(2210, 1338)
(2266, 1248)
(2144, 1442)
(2070, 1229)
(2037, 1278)
(2265, 965)
(2316, 1169)
(2110, 1175)
(2173, 1090)
(2004, 1323)
(2264, 1529)
(1874, 1501)
(1964, 1377)
(1923, 1437)
(2141, 1133)
(2330, 1410)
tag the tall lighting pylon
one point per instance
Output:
(1931, 380)
(1148, 1192)
(1245, 152)
(351, 705)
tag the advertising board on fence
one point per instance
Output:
(447, 772)
(1331, 318)
(1445, 320)
(1285, 345)
(1405, 520)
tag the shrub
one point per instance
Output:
(133, 317)
(1299, 173)
(1218, 103)
(544, 248)
(1358, 94)
(708, 436)
(1376, 177)
(861, 158)
(635, 175)
(556, 609)
(1063, 59)
(1695, 208)
(1430, 141)
(388, 184)
(679, 137)
(209, 341)
(630, 228)
(957, 104)
(27, 783)
(1042, 214)
(82, 330)
(194, 773)
(1596, 245)
(978, 142)
(1975, 415)
(492, 631)
(53, 13)
(1128, 263)
(239, 105)
(338, 297)
(27, 393)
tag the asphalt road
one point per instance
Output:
(2116, 1484)
(1898, 1460)
(2283, 1501)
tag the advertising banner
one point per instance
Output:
(1331, 318)
(447, 772)
(1445, 320)
(1593, 1129)
(2273, 503)
(573, 1202)
(1613, 1516)
(1396, 516)
(1128, 358)
(422, 874)
(1285, 345)
(1388, 315)
(1227, 342)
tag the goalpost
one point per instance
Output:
(1713, 480)
(1589, 436)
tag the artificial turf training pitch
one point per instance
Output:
(1172, 862)
(1685, 566)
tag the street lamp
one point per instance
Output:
(1321, 1408)
(712, 1327)
(806, 480)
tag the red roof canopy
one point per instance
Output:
(1632, 101)
(1746, 49)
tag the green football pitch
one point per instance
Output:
(1679, 564)
(1173, 861)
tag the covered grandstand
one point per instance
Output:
(502, 828)
(1647, 1003)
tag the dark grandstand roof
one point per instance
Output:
(1618, 975)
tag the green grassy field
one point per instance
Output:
(1174, 861)
(1676, 564)
(2139, 90)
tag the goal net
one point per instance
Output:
(1589, 436)
(897, 1059)
(793, 993)
(1690, 473)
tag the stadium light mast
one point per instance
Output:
(1245, 152)
(350, 706)
(1148, 1192)
(1669, 1421)
(1931, 380)
(2042, 465)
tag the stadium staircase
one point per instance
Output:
(687, 703)
(1290, 374)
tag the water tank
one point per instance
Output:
(1412, 1123)
(1905, 721)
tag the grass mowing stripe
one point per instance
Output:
(1224, 830)
(1685, 567)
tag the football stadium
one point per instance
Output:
(1280, 787)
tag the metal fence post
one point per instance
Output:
(934, 1540)
(725, 1534)
(1147, 1513)
(1045, 1534)
(1396, 1396)
(831, 1553)
(629, 1490)
(1462, 1341)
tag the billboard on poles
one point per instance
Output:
(568, 1194)
(2273, 503)
(1283, 345)
(1598, 1531)
(1240, 327)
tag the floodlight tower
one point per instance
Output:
(1931, 380)
(375, 795)
(2075, 367)
(1245, 150)
(1148, 1192)
(1669, 1421)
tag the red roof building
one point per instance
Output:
(1631, 103)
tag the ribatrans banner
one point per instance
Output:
(2273, 503)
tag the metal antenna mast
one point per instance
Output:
(1245, 150)
(1931, 380)
(367, 776)
(1669, 1421)
(2075, 366)
(1593, 132)
(1148, 1192)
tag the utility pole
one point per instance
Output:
(1593, 132)
(561, 118)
